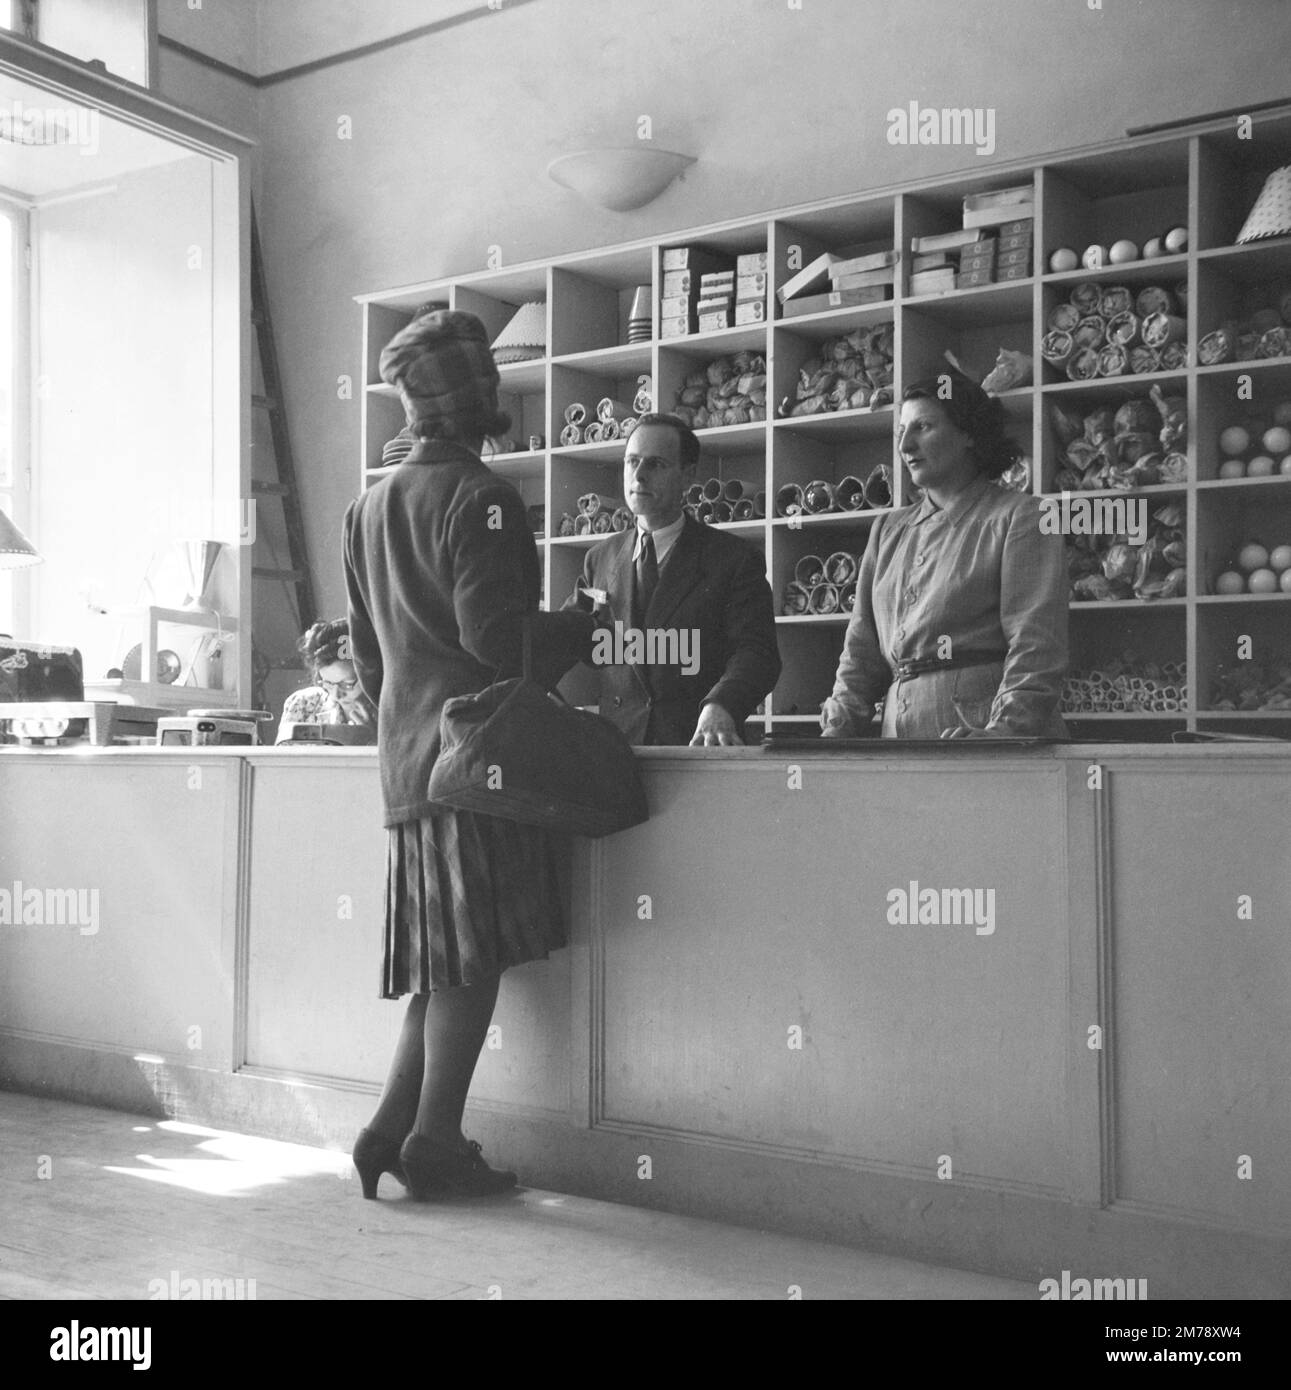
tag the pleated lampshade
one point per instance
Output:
(525, 337)
(1271, 215)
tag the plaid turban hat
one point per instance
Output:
(443, 367)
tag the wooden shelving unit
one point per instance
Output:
(1205, 179)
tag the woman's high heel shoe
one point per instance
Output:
(373, 1155)
(434, 1169)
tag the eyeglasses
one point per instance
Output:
(339, 687)
(648, 461)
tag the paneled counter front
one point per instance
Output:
(1018, 1010)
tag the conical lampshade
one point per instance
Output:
(1271, 215)
(15, 549)
(620, 178)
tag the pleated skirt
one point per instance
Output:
(468, 896)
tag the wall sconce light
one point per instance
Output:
(620, 178)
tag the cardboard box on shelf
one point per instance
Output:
(837, 299)
(751, 311)
(752, 263)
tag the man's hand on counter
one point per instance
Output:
(716, 729)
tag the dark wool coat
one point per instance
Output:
(440, 566)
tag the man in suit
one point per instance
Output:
(671, 576)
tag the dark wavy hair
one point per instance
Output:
(323, 643)
(979, 415)
(688, 441)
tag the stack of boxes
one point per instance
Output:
(751, 288)
(698, 284)
(995, 245)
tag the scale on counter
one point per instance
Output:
(211, 728)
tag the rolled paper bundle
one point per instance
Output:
(878, 487)
(823, 599)
(622, 519)
(643, 401)
(1217, 347)
(570, 435)
(685, 414)
(1115, 299)
(692, 395)
(567, 525)
(575, 413)
(860, 397)
(847, 597)
(1275, 343)
(1174, 356)
(712, 489)
(689, 508)
(627, 426)
(720, 370)
(592, 433)
(1091, 331)
(885, 395)
(583, 525)
(609, 431)
(809, 570)
(1087, 297)
(1144, 359)
(840, 568)
(1112, 360)
(694, 494)
(1063, 318)
(603, 523)
(1246, 344)
(1171, 705)
(788, 501)
(796, 598)
(813, 405)
(701, 420)
(733, 489)
(1123, 329)
(1083, 365)
(1057, 346)
(592, 502)
(850, 494)
(759, 504)
(1264, 319)
(742, 509)
(721, 512)
(1154, 299)
(817, 497)
(704, 512)
(1160, 329)
(607, 408)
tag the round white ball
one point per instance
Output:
(1122, 251)
(1277, 440)
(1176, 239)
(1252, 557)
(1230, 582)
(1280, 558)
(1262, 581)
(1234, 440)
(1232, 468)
(1261, 466)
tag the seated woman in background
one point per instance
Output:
(960, 623)
(334, 697)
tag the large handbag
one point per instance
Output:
(516, 752)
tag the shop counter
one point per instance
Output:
(1020, 1010)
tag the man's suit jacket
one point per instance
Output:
(710, 582)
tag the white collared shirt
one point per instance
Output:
(664, 539)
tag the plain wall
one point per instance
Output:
(452, 133)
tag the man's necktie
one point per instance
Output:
(647, 580)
